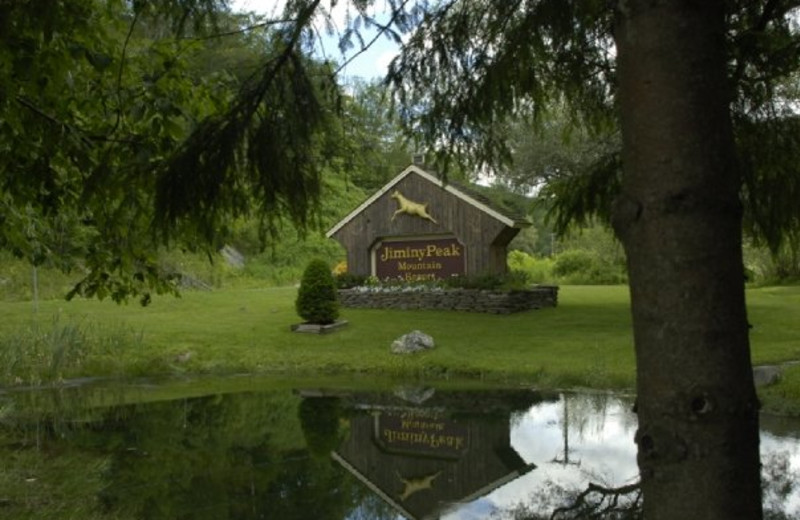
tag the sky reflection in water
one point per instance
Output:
(599, 435)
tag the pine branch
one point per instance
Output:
(382, 30)
(119, 73)
(80, 134)
(243, 30)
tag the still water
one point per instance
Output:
(302, 452)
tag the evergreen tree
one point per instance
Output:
(662, 69)
(317, 298)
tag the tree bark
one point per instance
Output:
(679, 218)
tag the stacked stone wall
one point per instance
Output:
(470, 300)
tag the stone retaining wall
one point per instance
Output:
(471, 300)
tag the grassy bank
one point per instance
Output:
(586, 341)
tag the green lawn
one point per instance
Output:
(586, 341)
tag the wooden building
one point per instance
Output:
(424, 459)
(419, 228)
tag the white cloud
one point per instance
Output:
(266, 7)
(385, 59)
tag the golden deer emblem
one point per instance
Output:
(409, 207)
(415, 485)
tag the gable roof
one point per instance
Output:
(465, 194)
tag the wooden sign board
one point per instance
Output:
(418, 260)
(409, 433)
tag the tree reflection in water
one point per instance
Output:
(606, 497)
(779, 481)
(268, 454)
(593, 502)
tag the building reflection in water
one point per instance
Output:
(424, 451)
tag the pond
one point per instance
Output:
(300, 450)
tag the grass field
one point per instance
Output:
(585, 342)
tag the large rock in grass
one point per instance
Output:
(414, 341)
(766, 375)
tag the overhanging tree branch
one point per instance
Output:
(257, 148)
(382, 30)
(119, 73)
(243, 30)
(80, 134)
(607, 503)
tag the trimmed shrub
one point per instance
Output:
(317, 299)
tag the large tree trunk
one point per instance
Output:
(679, 218)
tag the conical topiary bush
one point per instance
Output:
(317, 299)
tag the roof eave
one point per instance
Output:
(437, 181)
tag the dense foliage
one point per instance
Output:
(530, 89)
(130, 125)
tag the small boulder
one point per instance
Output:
(414, 341)
(184, 357)
(414, 394)
(766, 375)
(232, 257)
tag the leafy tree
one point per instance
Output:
(582, 266)
(590, 254)
(120, 118)
(577, 167)
(574, 169)
(376, 147)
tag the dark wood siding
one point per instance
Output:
(488, 461)
(484, 237)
